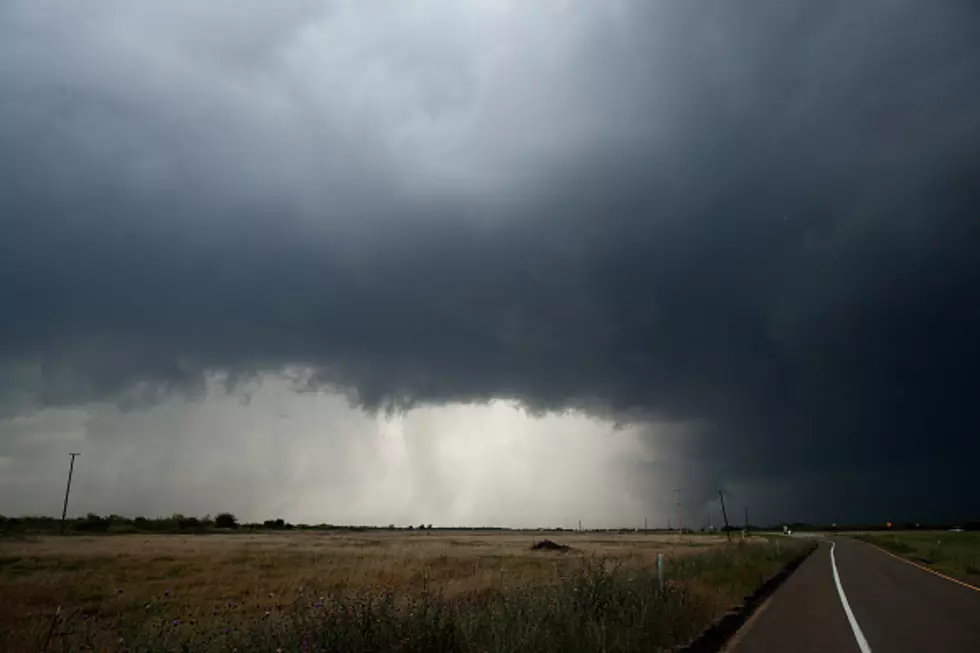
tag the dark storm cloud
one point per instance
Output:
(758, 215)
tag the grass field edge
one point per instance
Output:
(902, 558)
(717, 635)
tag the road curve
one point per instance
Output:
(875, 602)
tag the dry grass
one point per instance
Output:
(106, 580)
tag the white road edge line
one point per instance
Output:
(858, 635)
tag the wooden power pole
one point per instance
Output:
(724, 513)
(64, 509)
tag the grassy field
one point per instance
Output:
(404, 591)
(954, 554)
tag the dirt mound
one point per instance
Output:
(549, 545)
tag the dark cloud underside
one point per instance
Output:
(761, 215)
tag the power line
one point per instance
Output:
(64, 509)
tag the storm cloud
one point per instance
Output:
(758, 220)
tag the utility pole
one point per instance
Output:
(64, 509)
(680, 526)
(746, 518)
(644, 524)
(724, 513)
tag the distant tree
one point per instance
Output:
(280, 523)
(92, 523)
(226, 520)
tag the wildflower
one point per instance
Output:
(176, 622)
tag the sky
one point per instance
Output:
(485, 262)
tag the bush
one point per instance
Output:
(226, 520)
(189, 523)
(92, 524)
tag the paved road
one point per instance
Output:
(894, 608)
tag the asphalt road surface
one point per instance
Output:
(851, 597)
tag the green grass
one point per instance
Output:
(954, 554)
(602, 606)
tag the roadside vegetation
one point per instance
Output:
(374, 591)
(954, 553)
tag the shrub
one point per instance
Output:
(226, 520)
(189, 523)
(92, 523)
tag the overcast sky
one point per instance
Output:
(489, 261)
